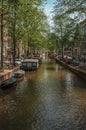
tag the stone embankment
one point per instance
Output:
(6, 73)
(76, 69)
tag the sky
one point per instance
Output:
(48, 9)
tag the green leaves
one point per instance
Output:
(25, 22)
(67, 17)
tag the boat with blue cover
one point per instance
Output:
(18, 74)
(30, 64)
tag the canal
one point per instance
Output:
(51, 98)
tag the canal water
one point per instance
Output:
(51, 98)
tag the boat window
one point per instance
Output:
(24, 64)
(34, 64)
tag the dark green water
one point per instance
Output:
(51, 98)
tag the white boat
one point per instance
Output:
(30, 64)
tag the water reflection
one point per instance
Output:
(51, 98)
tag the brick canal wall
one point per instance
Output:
(6, 74)
(76, 70)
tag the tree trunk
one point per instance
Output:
(2, 37)
(62, 46)
(28, 48)
(14, 46)
(72, 52)
(62, 51)
(18, 52)
(14, 38)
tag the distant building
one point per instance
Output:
(76, 51)
(6, 43)
(83, 43)
(7, 46)
(67, 51)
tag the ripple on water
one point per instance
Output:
(51, 98)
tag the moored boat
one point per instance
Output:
(30, 64)
(8, 83)
(18, 74)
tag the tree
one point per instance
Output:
(67, 14)
(26, 23)
(78, 35)
(2, 14)
(2, 35)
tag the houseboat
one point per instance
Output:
(30, 64)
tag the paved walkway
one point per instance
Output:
(80, 65)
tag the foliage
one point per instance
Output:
(26, 22)
(67, 17)
(52, 41)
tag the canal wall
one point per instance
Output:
(6, 73)
(74, 69)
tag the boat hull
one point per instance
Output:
(9, 83)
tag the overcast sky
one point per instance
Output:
(48, 9)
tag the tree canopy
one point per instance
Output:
(67, 16)
(26, 22)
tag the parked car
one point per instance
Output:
(69, 60)
(18, 61)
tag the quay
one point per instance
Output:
(7, 73)
(75, 69)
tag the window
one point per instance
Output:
(34, 64)
(24, 64)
